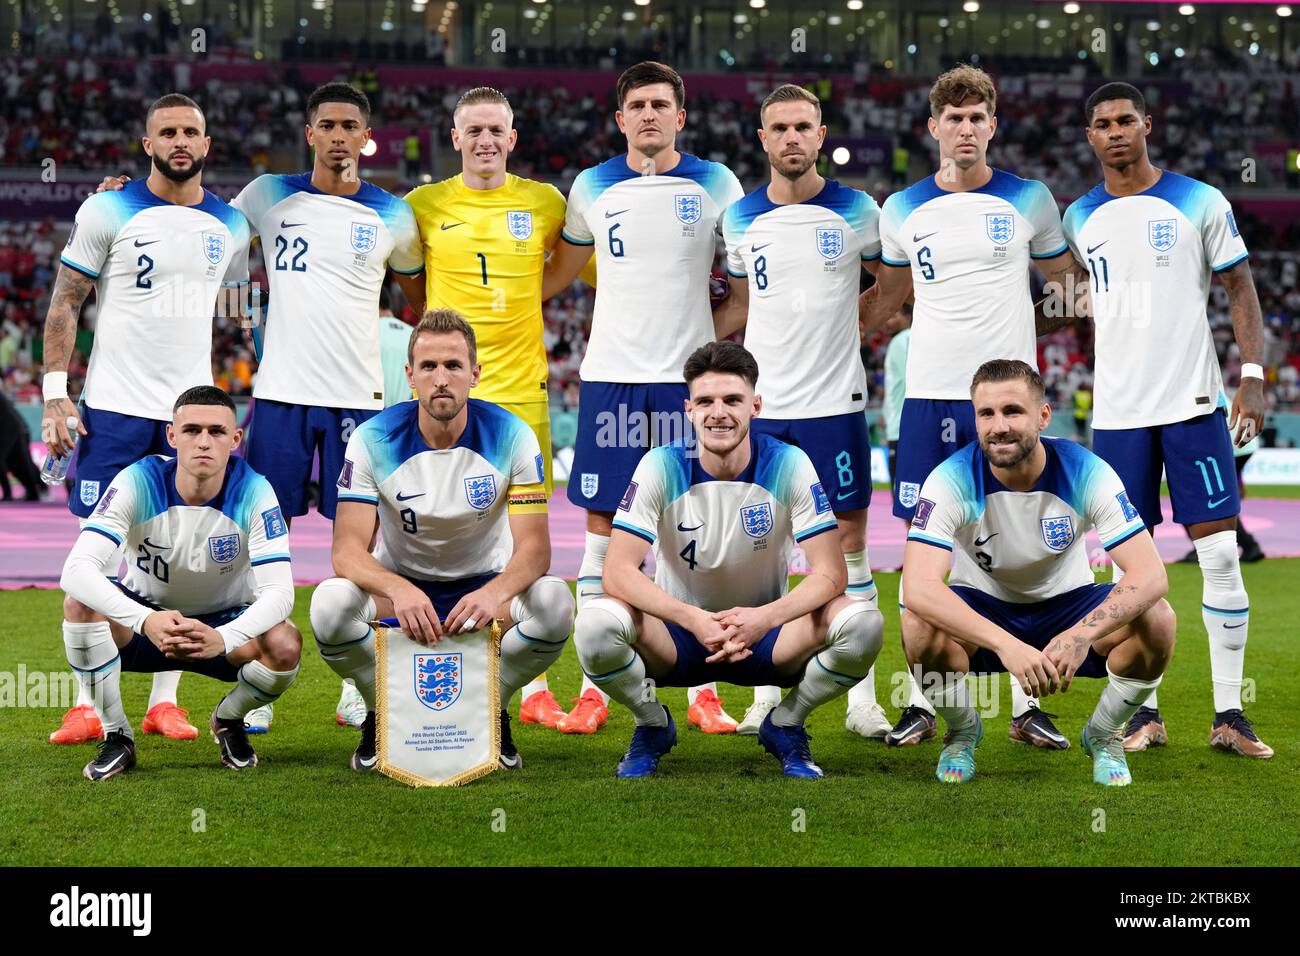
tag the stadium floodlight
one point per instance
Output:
(758, 4)
(971, 6)
(1186, 9)
(855, 5)
(370, 148)
(1070, 8)
(1284, 11)
(840, 156)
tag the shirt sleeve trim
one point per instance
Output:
(1050, 255)
(1228, 265)
(1116, 542)
(80, 268)
(633, 529)
(815, 530)
(933, 542)
(104, 531)
(576, 242)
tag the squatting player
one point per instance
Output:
(795, 244)
(457, 485)
(1152, 240)
(158, 254)
(652, 217)
(207, 588)
(1011, 512)
(485, 235)
(961, 241)
(721, 524)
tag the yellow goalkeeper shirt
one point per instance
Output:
(484, 251)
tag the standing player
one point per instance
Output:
(457, 485)
(485, 235)
(962, 241)
(652, 217)
(1152, 239)
(796, 244)
(1010, 512)
(721, 524)
(207, 588)
(157, 254)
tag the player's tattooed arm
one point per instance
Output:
(1066, 296)
(1249, 404)
(70, 290)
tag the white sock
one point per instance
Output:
(1225, 609)
(340, 618)
(861, 587)
(606, 639)
(950, 700)
(1120, 700)
(164, 688)
(538, 683)
(591, 572)
(84, 697)
(863, 692)
(543, 616)
(852, 642)
(588, 685)
(257, 686)
(1020, 701)
(693, 692)
(767, 694)
(94, 659)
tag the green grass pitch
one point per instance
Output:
(716, 800)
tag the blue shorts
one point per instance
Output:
(112, 442)
(756, 670)
(282, 445)
(445, 594)
(142, 655)
(929, 432)
(1035, 624)
(617, 425)
(840, 449)
(1197, 459)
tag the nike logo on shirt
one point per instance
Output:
(611, 215)
(756, 248)
(402, 497)
(1092, 249)
(445, 226)
(980, 542)
(916, 238)
(138, 243)
(290, 225)
(681, 527)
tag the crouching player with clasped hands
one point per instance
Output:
(458, 485)
(1012, 510)
(208, 587)
(721, 518)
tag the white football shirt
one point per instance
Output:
(1150, 257)
(196, 559)
(969, 253)
(443, 513)
(325, 261)
(1023, 546)
(803, 262)
(655, 239)
(723, 544)
(158, 268)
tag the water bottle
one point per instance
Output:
(55, 468)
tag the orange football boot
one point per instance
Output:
(588, 717)
(80, 725)
(541, 708)
(169, 720)
(707, 714)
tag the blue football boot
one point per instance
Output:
(648, 745)
(790, 746)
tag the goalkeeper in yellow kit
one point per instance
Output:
(485, 235)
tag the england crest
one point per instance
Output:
(689, 208)
(756, 520)
(89, 492)
(830, 243)
(224, 548)
(1000, 227)
(590, 482)
(437, 680)
(214, 246)
(1058, 533)
(1162, 234)
(909, 492)
(520, 224)
(364, 237)
(481, 492)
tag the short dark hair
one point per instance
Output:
(171, 101)
(644, 74)
(1009, 370)
(1115, 91)
(204, 395)
(337, 93)
(440, 322)
(729, 358)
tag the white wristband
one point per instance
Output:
(1248, 370)
(54, 386)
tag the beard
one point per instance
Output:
(805, 163)
(442, 412)
(178, 175)
(1024, 447)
